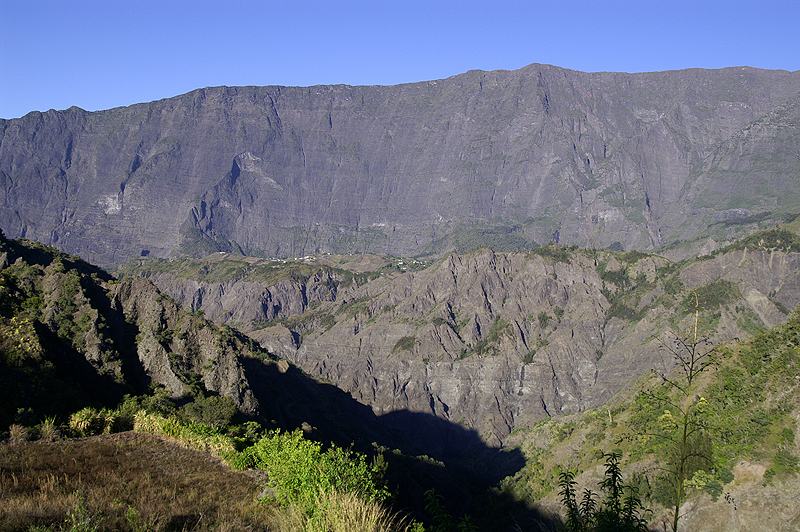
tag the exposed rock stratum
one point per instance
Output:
(505, 159)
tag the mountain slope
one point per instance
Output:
(744, 475)
(73, 336)
(502, 158)
(489, 341)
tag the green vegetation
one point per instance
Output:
(720, 406)
(623, 291)
(712, 296)
(443, 521)
(621, 509)
(544, 319)
(487, 345)
(775, 238)
(554, 253)
(499, 238)
(299, 471)
(745, 220)
(682, 425)
(195, 243)
(406, 343)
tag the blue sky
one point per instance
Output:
(104, 54)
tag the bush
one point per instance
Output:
(406, 343)
(49, 431)
(621, 509)
(299, 470)
(192, 435)
(88, 422)
(725, 475)
(18, 433)
(214, 411)
(713, 488)
(544, 319)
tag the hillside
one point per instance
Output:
(683, 161)
(86, 338)
(745, 473)
(487, 341)
(125, 481)
(73, 339)
(73, 336)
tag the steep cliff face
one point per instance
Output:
(493, 341)
(493, 158)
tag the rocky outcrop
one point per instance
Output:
(501, 159)
(493, 341)
(174, 346)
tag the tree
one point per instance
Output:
(682, 424)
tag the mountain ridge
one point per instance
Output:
(493, 341)
(509, 159)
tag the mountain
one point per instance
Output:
(453, 359)
(488, 341)
(506, 159)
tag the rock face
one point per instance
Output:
(173, 345)
(483, 158)
(493, 341)
(83, 337)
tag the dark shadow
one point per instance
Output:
(423, 452)
(60, 383)
(180, 523)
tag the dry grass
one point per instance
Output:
(129, 481)
(342, 512)
(18, 434)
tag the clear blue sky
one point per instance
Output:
(103, 54)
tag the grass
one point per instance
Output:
(123, 482)
(342, 512)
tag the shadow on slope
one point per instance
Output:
(65, 368)
(423, 452)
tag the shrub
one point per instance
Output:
(81, 519)
(299, 470)
(714, 489)
(18, 433)
(192, 435)
(712, 295)
(725, 475)
(214, 411)
(620, 510)
(406, 343)
(554, 253)
(444, 522)
(49, 431)
(544, 319)
(88, 421)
